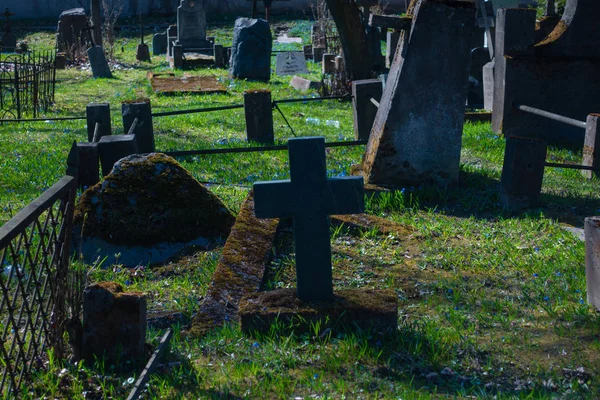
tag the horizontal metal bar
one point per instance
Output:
(184, 153)
(43, 119)
(27, 215)
(311, 99)
(552, 116)
(198, 110)
(571, 166)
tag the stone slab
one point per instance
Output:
(375, 311)
(98, 63)
(291, 63)
(303, 84)
(240, 270)
(170, 84)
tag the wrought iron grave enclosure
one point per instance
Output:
(26, 84)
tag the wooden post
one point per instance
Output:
(259, 116)
(98, 113)
(591, 146)
(143, 130)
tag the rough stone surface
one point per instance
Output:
(251, 50)
(147, 200)
(68, 32)
(416, 136)
(240, 270)
(559, 74)
(159, 43)
(114, 325)
(98, 63)
(370, 310)
(191, 24)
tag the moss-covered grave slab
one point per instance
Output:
(240, 270)
(375, 311)
(146, 210)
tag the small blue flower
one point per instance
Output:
(546, 298)
(128, 282)
(450, 291)
(535, 275)
(577, 291)
(581, 301)
(456, 308)
(536, 248)
(255, 344)
(316, 376)
(558, 274)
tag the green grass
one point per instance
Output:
(492, 303)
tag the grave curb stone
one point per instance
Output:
(370, 310)
(240, 270)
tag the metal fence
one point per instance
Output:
(37, 287)
(27, 83)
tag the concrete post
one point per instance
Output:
(364, 110)
(592, 260)
(591, 146)
(259, 116)
(98, 113)
(522, 172)
(178, 56)
(318, 53)
(89, 168)
(328, 66)
(112, 148)
(143, 131)
(220, 56)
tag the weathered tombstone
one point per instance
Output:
(309, 198)
(416, 136)
(364, 109)
(591, 146)
(159, 43)
(479, 58)
(220, 56)
(258, 110)
(140, 113)
(251, 50)
(114, 325)
(171, 39)
(60, 61)
(8, 41)
(98, 113)
(488, 85)
(291, 63)
(191, 25)
(560, 74)
(69, 30)
(98, 63)
(328, 65)
(307, 49)
(592, 260)
(88, 166)
(317, 53)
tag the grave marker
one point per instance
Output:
(309, 198)
(291, 63)
(191, 24)
(98, 63)
(143, 52)
(8, 40)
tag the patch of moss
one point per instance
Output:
(240, 270)
(150, 199)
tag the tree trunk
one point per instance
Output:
(353, 37)
(96, 22)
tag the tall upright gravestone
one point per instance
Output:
(191, 25)
(416, 136)
(560, 73)
(251, 50)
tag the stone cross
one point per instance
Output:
(309, 198)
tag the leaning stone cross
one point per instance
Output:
(309, 198)
(7, 14)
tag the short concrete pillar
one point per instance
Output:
(220, 56)
(364, 109)
(112, 148)
(143, 131)
(318, 52)
(142, 52)
(328, 66)
(307, 48)
(591, 146)
(114, 325)
(88, 166)
(592, 260)
(392, 43)
(98, 113)
(522, 172)
(339, 64)
(60, 61)
(178, 56)
(259, 116)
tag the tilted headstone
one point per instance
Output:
(309, 198)
(251, 50)
(98, 63)
(416, 136)
(560, 74)
(191, 25)
(69, 30)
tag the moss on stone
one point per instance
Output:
(240, 270)
(148, 199)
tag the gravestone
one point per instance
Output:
(291, 63)
(69, 30)
(488, 85)
(592, 260)
(309, 198)
(159, 43)
(480, 56)
(8, 41)
(171, 39)
(98, 63)
(251, 50)
(416, 136)
(559, 74)
(364, 109)
(142, 52)
(191, 25)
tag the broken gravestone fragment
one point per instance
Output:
(147, 210)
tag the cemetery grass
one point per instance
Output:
(491, 303)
